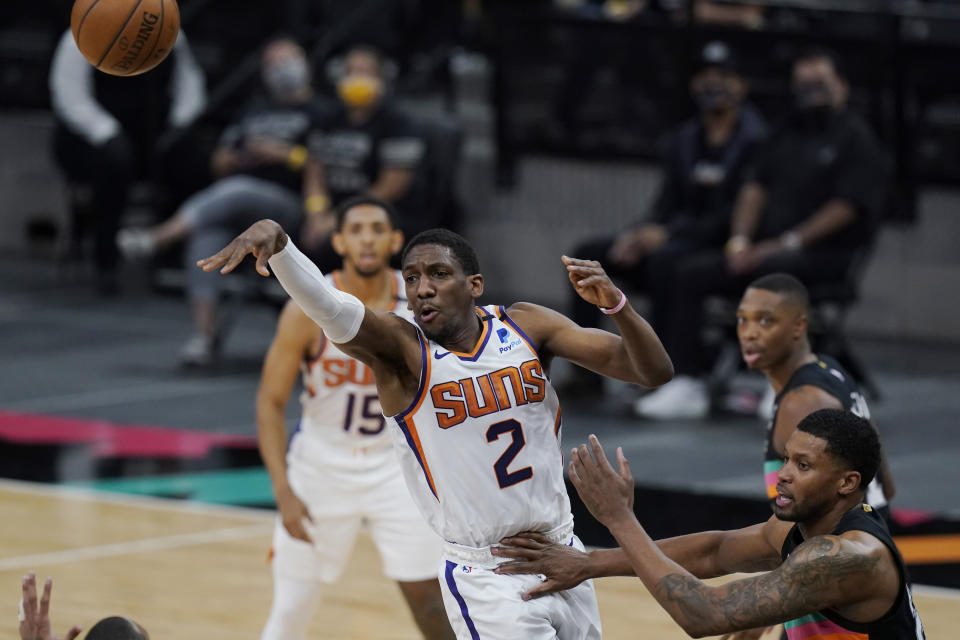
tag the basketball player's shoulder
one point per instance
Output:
(533, 318)
(805, 398)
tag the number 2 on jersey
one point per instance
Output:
(505, 477)
(366, 413)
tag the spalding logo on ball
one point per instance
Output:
(125, 37)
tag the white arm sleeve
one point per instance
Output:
(338, 313)
(72, 95)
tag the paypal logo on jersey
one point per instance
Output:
(504, 335)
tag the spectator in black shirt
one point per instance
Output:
(259, 161)
(702, 171)
(365, 145)
(809, 207)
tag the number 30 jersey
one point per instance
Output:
(340, 408)
(480, 445)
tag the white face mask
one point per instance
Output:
(287, 77)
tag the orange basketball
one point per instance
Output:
(125, 37)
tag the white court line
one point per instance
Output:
(141, 502)
(135, 546)
(123, 395)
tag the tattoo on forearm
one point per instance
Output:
(815, 576)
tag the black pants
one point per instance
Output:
(111, 169)
(702, 275)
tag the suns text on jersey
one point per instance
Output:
(496, 391)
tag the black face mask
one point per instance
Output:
(714, 98)
(812, 95)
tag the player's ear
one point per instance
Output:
(849, 482)
(800, 327)
(475, 282)
(338, 245)
(396, 241)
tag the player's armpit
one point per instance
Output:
(389, 345)
(824, 572)
(796, 405)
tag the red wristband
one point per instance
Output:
(620, 305)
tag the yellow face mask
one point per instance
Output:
(359, 90)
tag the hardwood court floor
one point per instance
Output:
(187, 571)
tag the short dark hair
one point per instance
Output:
(360, 200)
(815, 53)
(115, 628)
(784, 284)
(457, 244)
(849, 438)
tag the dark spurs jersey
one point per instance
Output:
(828, 375)
(901, 622)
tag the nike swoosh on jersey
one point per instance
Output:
(439, 355)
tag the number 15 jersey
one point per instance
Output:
(480, 445)
(341, 409)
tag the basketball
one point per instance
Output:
(125, 37)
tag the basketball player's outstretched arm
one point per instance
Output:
(385, 342)
(823, 572)
(636, 355)
(706, 555)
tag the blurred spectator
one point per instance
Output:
(809, 208)
(364, 145)
(107, 134)
(34, 618)
(750, 16)
(260, 161)
(702, 171)
(604, 100)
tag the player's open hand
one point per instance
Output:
(591, 282)
(608, 493)
(562, 567)
(292, 513)
(263, 239)
(34, 616)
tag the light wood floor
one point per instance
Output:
(185, 572)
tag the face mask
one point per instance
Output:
(287, 77)
(714, 98)
(812, 94)
(358, 90)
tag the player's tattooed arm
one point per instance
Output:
(706, 555)
(824, 572)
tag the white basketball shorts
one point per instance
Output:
(364, 489)
(483, 605)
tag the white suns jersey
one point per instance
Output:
(340, 406)
(480, 445)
